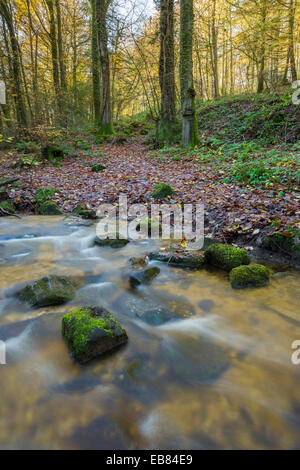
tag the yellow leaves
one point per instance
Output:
(116, 59)
(183, 243)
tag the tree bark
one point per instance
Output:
(166, 70)
(101, 17)
(189, 120)
(54, 54)
(95, 68)
(6, 13)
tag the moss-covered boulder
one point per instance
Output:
(283, 242)
(49, 208)
(180, 258)
(144, 276)
(226, 257)
(7, 206)
(3, 195)
(91, 332)
(83, 212)
(147, 225)
(50, 290)
(98, 167)
(162, 190)
(254, 275)
(52, 152)
(111, 242)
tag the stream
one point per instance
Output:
(218, 374)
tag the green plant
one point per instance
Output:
(44, 194)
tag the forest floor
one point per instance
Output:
(245, 170)
(232, 208)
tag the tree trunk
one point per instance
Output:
(166, 71)
(101, 14)
(6, 13)
(189, 120)
(262, 45)
(54, 54)
(62, 68)
(214, 36)
(291, 51)
(95, 68)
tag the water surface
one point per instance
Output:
(218, 374)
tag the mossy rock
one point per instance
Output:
(111, 242)
(49, 208)
(181, 259)
(143, 277)
(283, 242)
(7, 206)
(148, 224)
(98, 167)
(255, 275)
(226, 257)
(162, 190)
(3, 195)
(50, 290)
(52, 152)
(140, 262)
(91, 332)
(85, 213)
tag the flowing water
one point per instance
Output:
(217, 375)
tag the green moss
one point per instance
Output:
(255, 275)
(8, 206)
(91, 331)
(147, 224)
(49, 208)
(98, 167)
(83, 212)
(111, 242)
(226, 257)
(143, 277)
(181, 259)
(50, 290)
(162, 190)
(286, 242)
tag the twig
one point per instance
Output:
(9, 213)
(11, 180)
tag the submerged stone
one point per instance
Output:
(156, 316)
(77, 220)
(90, 332)
(197, 359)
(49, 208)
(50, 290)
(143, 277)
(180, 258)
(111, 242)
(139, 262)
(255, 275)
(283, 242)
(226, 257)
